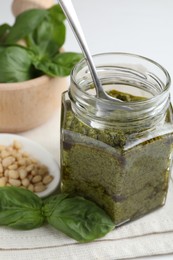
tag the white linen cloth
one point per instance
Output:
(147, 236)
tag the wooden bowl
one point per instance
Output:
(19, 6)
(28, 104)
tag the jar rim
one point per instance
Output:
(132, 74)
(125, 54)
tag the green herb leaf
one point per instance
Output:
(77, 217)
(4, 30)
(25, 23)
(61, 65)
(57, 13)
(57, 18)
(15, 64)
(20, 209)
(48, 37)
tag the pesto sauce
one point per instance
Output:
(126, 182)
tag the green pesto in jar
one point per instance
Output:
(126, 174)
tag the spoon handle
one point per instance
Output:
(72, 18)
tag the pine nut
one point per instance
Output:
(25, 182)
(34, 172)
(22, 173)
(27, 161)
(36, 179)
(39, 188)
(17, 145)
(47, 179)
(25, 154)
(13, 174)
(5, 154)
(31, 187)
(13, 166)
(14, 182)
(29, 168)
(8, 161)
(43, 170)
(21, 161)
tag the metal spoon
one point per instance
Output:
(72, 18)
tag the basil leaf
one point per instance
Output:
(61, 65)
(15, 64)
(20, 209)
(57, 13)
(58, 27)
(77, 217)
(25, 23)
(47, 38)
(4, 30)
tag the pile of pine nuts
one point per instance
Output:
(18, 168)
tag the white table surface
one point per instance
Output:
(136, 26)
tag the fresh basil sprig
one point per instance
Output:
(20, 209)
(77, 217)
(44, 33)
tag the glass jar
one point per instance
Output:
(118, 154)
